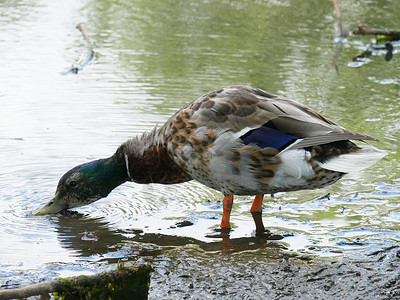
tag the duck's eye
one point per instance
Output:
(72, 184)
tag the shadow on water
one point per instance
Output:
(94, 237)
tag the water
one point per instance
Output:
(152, 57)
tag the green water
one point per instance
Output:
(152, 57)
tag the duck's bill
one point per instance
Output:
(52, 207)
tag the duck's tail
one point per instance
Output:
(361, 159)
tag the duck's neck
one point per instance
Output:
(103, 175)
(111, 172)
(148, 160)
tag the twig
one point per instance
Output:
(343, 33)
(364, 29)
(76, 67)
(79, 27)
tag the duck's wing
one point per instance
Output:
(262, 118)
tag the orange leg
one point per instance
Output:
(256, 212)
(226, 213)
(257, 204)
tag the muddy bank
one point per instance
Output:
(249, 270)
(195, 274)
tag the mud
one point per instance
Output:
(192, 273)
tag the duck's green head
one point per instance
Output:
(86, 183)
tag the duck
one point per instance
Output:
(238, 140)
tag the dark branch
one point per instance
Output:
(364, 30)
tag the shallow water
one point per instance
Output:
(152, 57)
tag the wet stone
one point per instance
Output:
(184, 223)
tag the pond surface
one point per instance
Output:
(152, 57)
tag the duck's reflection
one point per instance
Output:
(88, 237)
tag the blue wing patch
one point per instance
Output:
(268, 137)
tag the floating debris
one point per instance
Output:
(76, 67)
(384, 43)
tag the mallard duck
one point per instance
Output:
(238, 140)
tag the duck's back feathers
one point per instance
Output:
(244, 109)
(235, 140)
